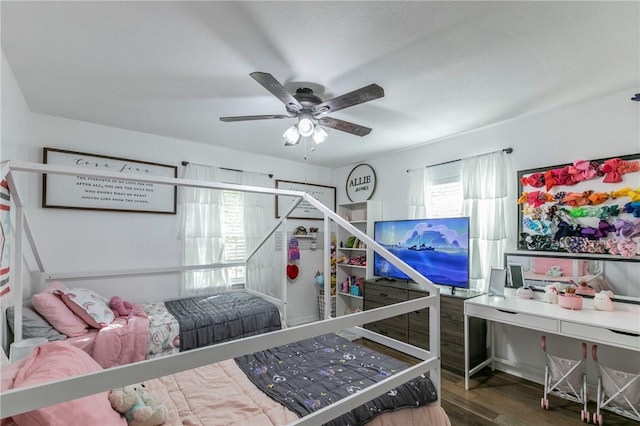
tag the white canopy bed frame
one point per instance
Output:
(21, 400)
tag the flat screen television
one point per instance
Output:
(436, 248)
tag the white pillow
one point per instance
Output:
(88, 305)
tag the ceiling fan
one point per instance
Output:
(310, 110)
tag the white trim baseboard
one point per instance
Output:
(302, 320)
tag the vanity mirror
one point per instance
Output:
(621, 276)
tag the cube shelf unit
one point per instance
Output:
(362, 215)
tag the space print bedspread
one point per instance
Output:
(311, 374)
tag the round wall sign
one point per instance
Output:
(361, 183)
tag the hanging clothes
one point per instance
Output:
(294, 250)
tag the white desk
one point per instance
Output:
(619, 328)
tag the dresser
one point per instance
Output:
(413, 328)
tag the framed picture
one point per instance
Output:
(497, 281)
(325, 194)
(516, 275)
(94, 193)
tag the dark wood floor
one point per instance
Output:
(497, 398)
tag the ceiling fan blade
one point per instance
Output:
(359, 96)
(277, 89)
(255, 117)
(345, 126)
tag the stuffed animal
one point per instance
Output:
(555, 271)
(139, 407)
(121, 308)
(551, 293)
(602, 301)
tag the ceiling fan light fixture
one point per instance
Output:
(319, 135)
(291, 136)
(305, 126)
(305, 106)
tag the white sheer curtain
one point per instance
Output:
(417, 193)
(203, 239)
(488, 185)
(258, 215)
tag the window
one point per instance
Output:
(233, 234)
(215, 231)
(444, 190)
(234, 243)
(445, 200)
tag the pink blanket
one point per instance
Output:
(123, 341)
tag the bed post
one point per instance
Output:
(434, 342)
(22, 229)
(33, 247)
(17, 260)
(283, 275)
(327, 267)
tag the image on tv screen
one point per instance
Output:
(436, 248)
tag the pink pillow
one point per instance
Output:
(88, 305)
(58, 360)
(53, 286)
(58, 315)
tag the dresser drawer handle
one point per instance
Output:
(626, 333)
(384, 295)
(507, 312)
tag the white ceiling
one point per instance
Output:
(173, 68)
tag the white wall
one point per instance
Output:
(598, 128)
(15, 122)
(15, 115)
(89, 240)
(594, 129)
(14, 125)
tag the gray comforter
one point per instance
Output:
(205, 320)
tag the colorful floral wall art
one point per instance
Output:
(588, 206)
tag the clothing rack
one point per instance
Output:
(186, 163)
(507, 150)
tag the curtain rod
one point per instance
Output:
(507, 150)
(185, 163)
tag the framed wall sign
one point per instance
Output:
(361, 183)
(94, 193)
(325, 194)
